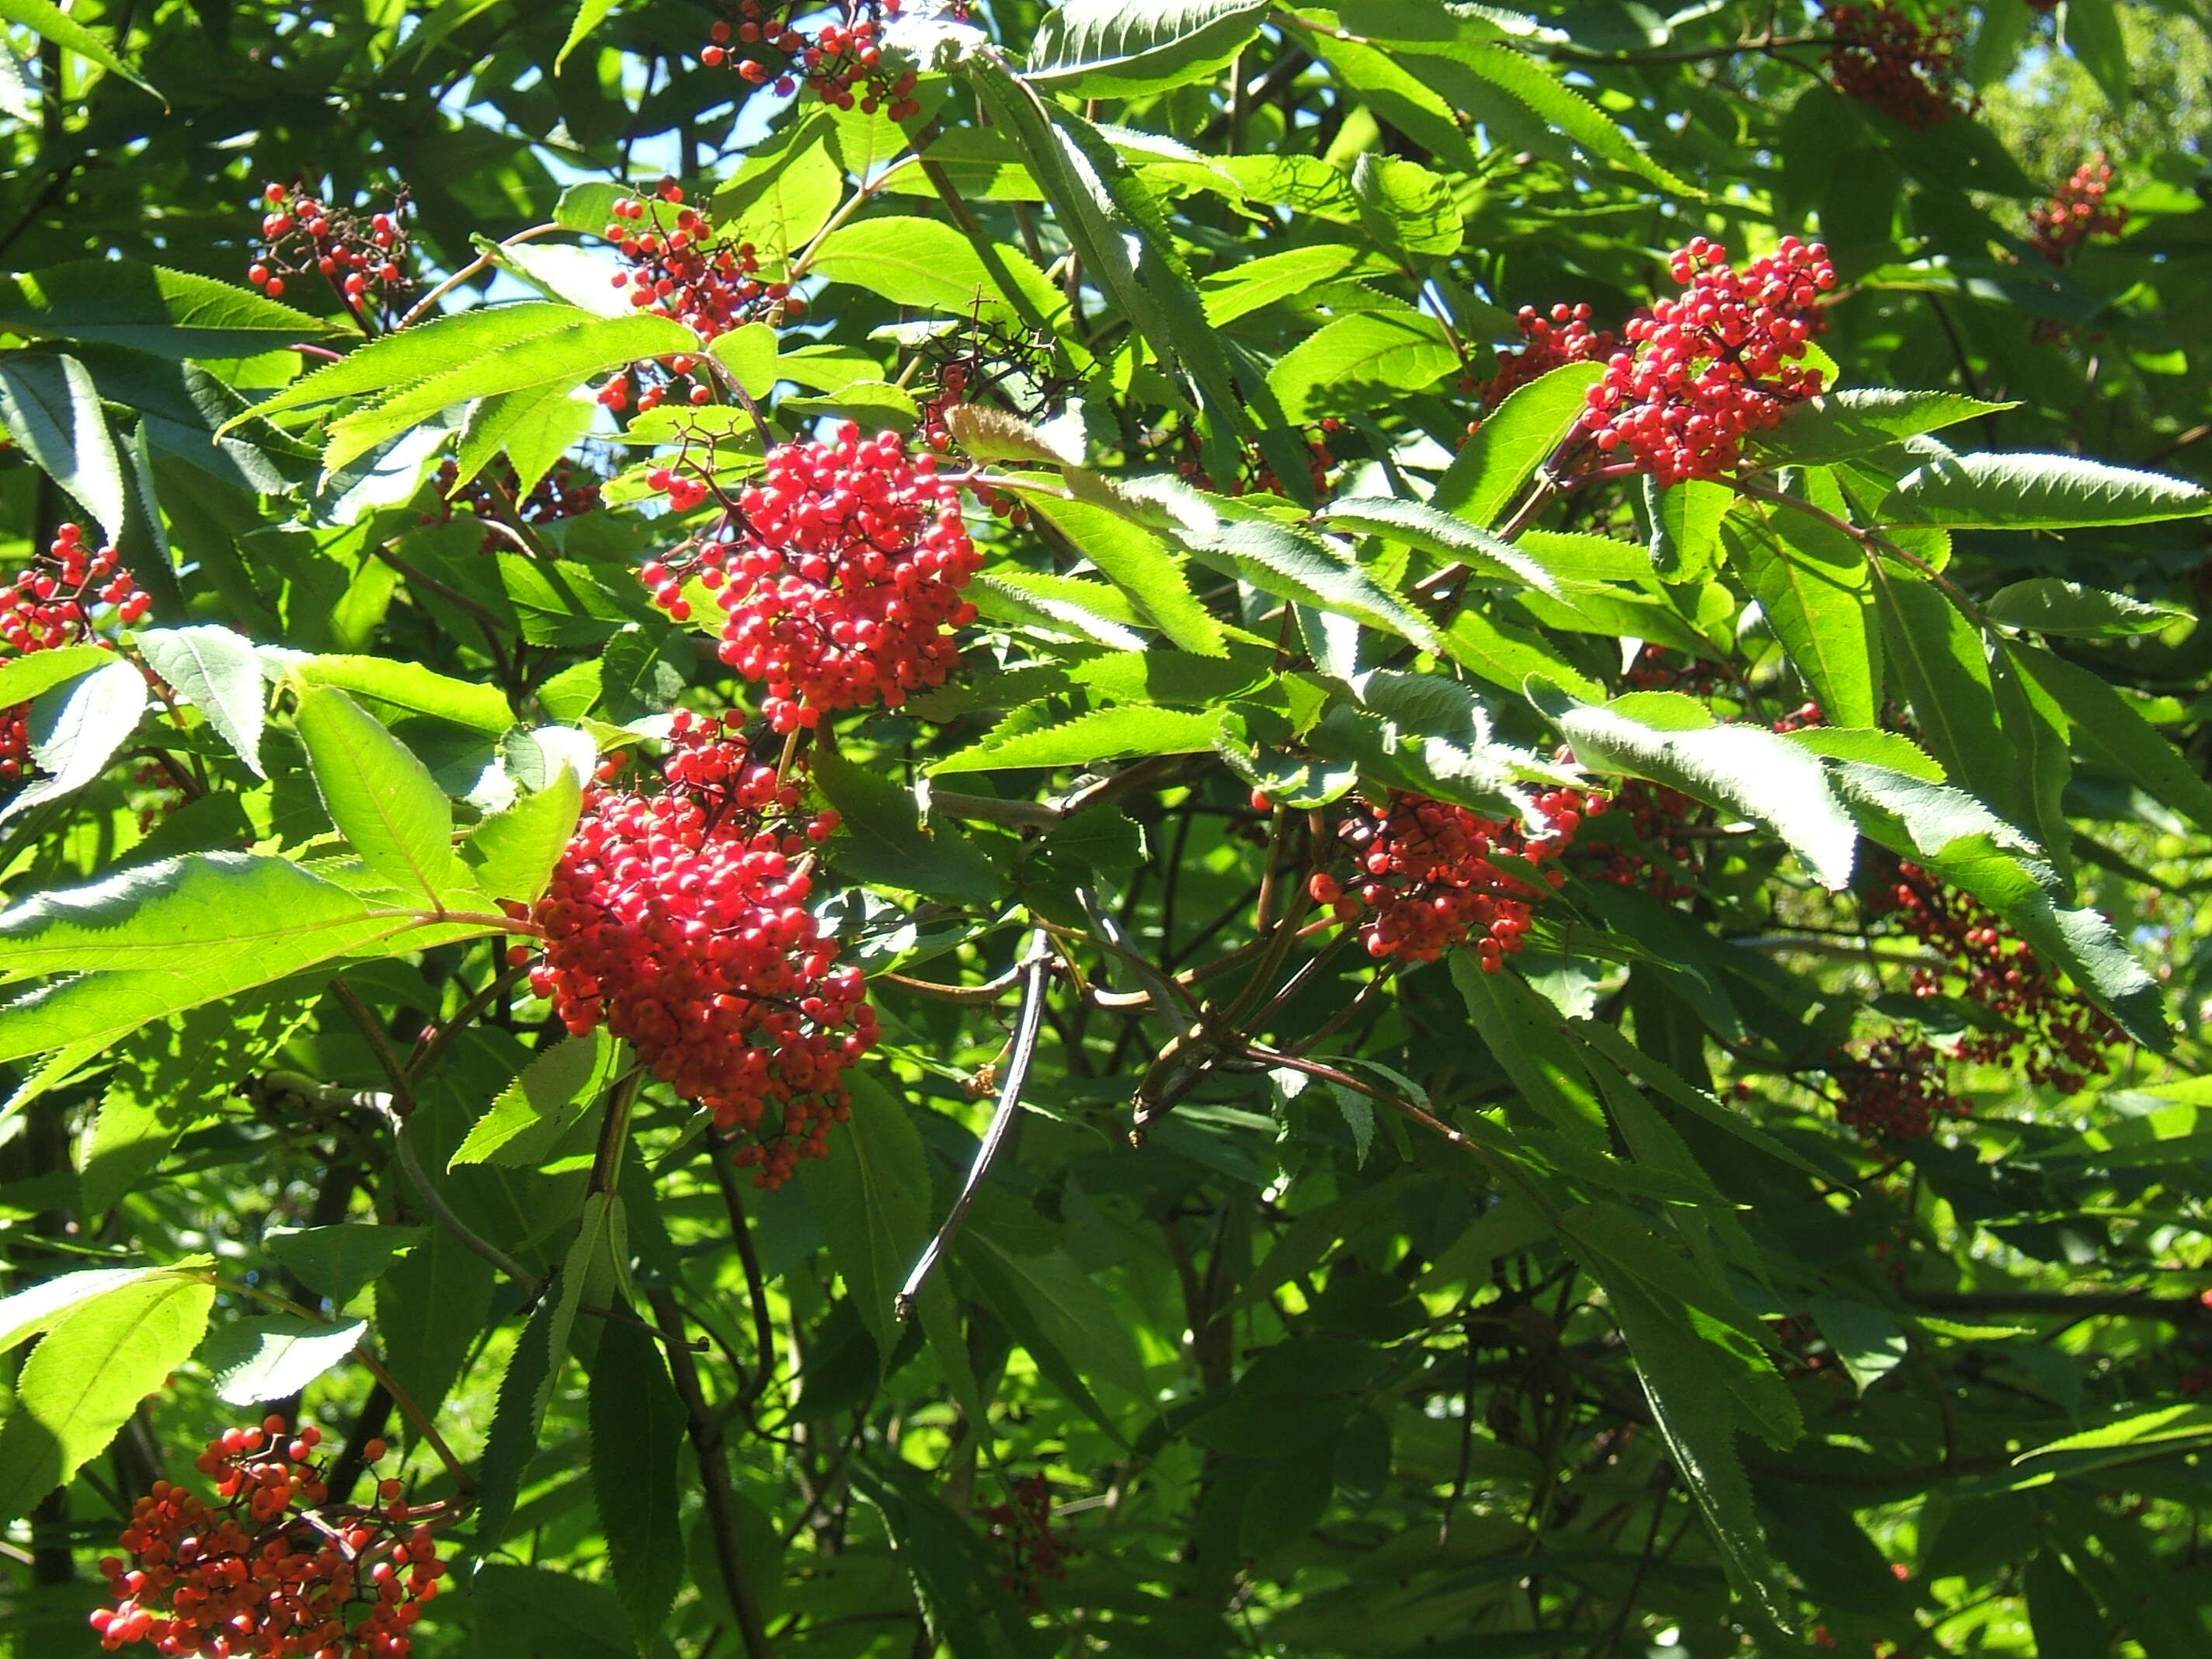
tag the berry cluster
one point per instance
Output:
(1891, 62)
(1649, 849)
(271, 1569)
(766, 44)
(678, 922)
(1256, 476)
(679, 269)
(1021, 1527)
(567, 492)
(363, 255)
(843, 584)
(1426, 879)
(65, 596)
(2075, 213)
(1898, 1091)
(1700, 371)
(2051, 1036)
(1547, 342)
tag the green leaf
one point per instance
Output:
(23, 678)
(558, 359)
(274, 1356)
(76, 729)
(27, 1312)
(1101, 735)
(884, 839)
(1405, 207)
(88, 1374)
(382, 799)
(2094, 36)
(1360, 361)
(170, 313)
(1308, 569)
(432, 350)
(1128, 48)
(2061, 1611)
(1417, 524)
(1568, 111)
(1138, 564)
(182, 915)
(1114, 224)
(1505, 451)
(1853, 423)
(1942, 666)
(340, 1261)
(516, 1416)
(748, 352)
(2108, 727)
(1251, 285)
(1747, 770)
(535, 1113)
(533, 427)
(1697, 1423)
(780, 197)
(216, 670)
(872, 1201)
(590, 14)
(637, 1430)
(1811, 585)
(922, 262)
(1521, 1032)
(53, 410)
(1892, 749)
(52, 22)
(1685, 527)
(2046, 604)
(1062, 1316)
(392, 689)
(2038, 492)
(513, 852)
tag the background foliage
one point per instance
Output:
(1666, 1344)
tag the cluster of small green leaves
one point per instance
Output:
(1341, 1307)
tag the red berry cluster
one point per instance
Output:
(2076, 213)
(1898, 1091)
(679, 269)
(765, 44)
(843, 585)
(65, 596)
(1425, 879)
(1257, 477)
(1547, 342)
(1654, 847)
(360, 254)
(1021, 1527)
(1700, 371)
(271, 1569)
(678, 922)
(567, 492)
(1892, 62)
(2051, 1036)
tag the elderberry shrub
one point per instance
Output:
(839, 61)
(273, 1567)
(1547, 342)
(1891, 62)
(362, 254)
(1702, 370)
(1036, 1553)
(567, 491)
(71, 594)
(840, 581)
(1424, 879)
(2075, 212)
(677, 919)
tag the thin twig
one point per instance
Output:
(706, 1434)
(1035, 967)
